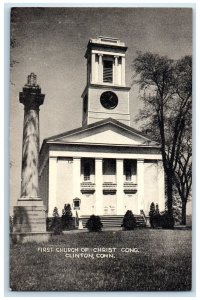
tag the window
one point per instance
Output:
(76, 203)
(128, 171)
(86, 171)
(107, 71)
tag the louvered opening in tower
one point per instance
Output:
(107, 71)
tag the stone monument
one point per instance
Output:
(29, 214)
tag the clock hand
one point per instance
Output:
(110, 98)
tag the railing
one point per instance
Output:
(87, 186)
(109, 186)
(130, 186)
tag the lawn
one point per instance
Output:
(140, 260)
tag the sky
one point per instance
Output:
(51, 42)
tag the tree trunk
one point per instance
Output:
(183, 222)
(169, 193)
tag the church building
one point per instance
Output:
(104, 167)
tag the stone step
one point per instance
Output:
(115, 221)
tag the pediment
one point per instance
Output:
(105, 133)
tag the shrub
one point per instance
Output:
(167, 221)
(129, 221)
(67, 219)
(155, 217)
(56, 225)
(94, 223)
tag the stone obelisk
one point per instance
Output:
(29, 214)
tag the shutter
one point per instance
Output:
(107, 71)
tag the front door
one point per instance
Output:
(110, 204)
(131, 203)
(87, 204)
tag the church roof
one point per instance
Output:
(105, 132)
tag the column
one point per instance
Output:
(52, 184)
(100, 71)
(140, 184)
(123, 70)
(116, 70)
(99, 186)
(31, 97)
(30, 150)
(29, 214)
(76, 176)
(93, 68)
(120, 186)
(161, 186)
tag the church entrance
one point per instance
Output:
(131, 203)
(110, 204)
(87, 204)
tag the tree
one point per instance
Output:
(166, 87)
(67, 219)
(183, 173)
(56, 225)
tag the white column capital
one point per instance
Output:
(119, 159)
(76, 158)
(116, 59)
(140, 161)
(98, 159)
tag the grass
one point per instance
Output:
(163, 263)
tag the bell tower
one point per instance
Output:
(106, 94)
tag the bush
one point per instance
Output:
(167, 221)
(56, 225)
(129, 221)
(67, 219)
(94, 223)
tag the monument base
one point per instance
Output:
(24, 237)
(29, 216)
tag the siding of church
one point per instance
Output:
(64, 182)
(44, 184)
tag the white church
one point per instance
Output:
(104, 167)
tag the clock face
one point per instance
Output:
(109, 100)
